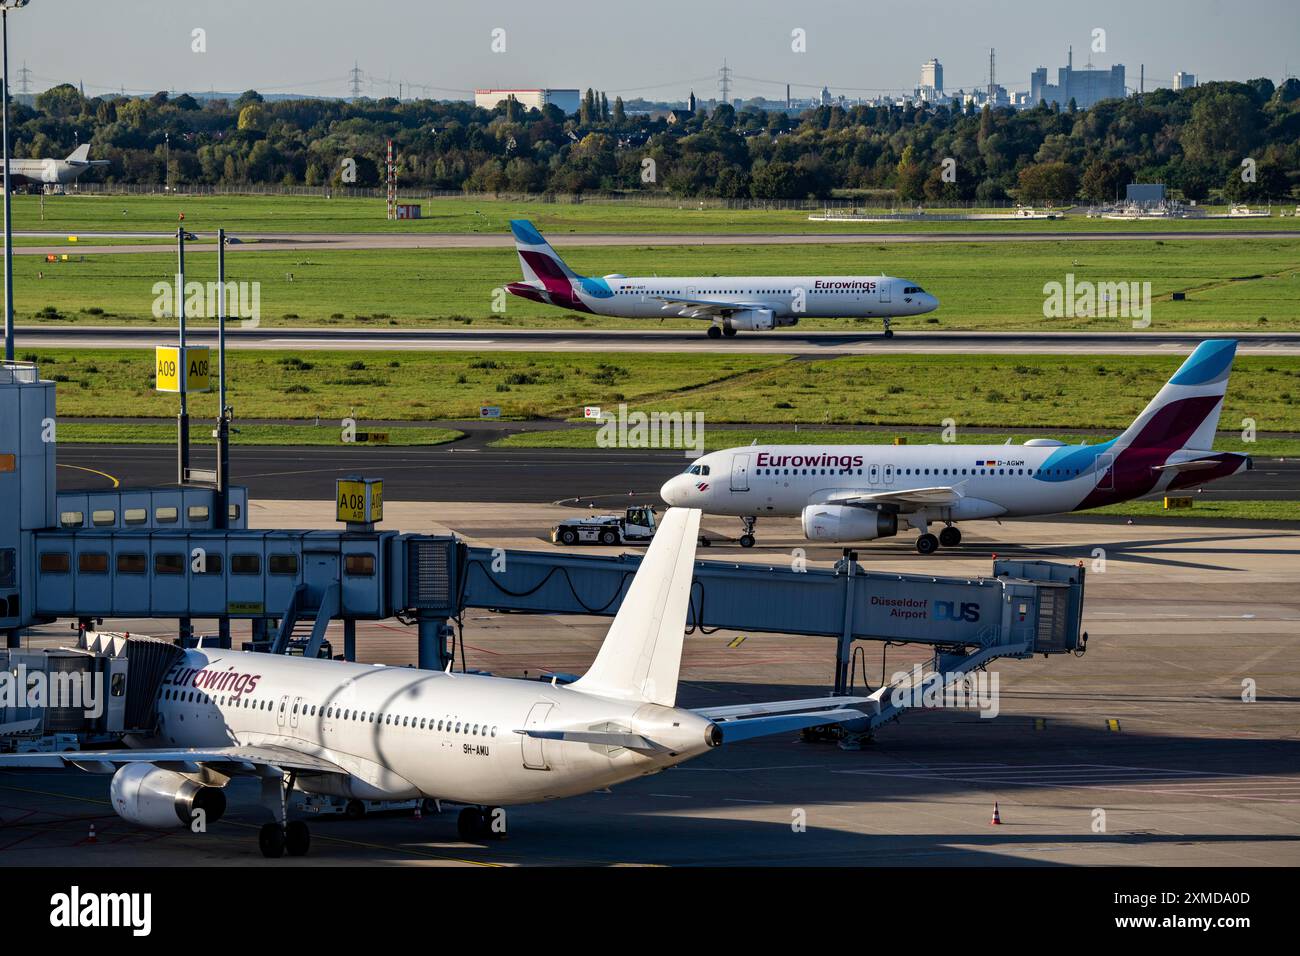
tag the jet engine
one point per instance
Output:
(752, 320)
(150, 796)
(847, 523)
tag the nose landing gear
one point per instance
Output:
(747, 538)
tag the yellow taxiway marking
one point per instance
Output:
(94, 471)
(736, 641)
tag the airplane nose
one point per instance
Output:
(676, 489)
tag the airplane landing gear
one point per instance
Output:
(927, 544)
(728, 331)
(950, 536)
(889, 333)
(281, 835)
(481, 823)
(715, 332)
(747, 538)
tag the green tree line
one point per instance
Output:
(1195, 141)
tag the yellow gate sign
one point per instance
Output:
(192, 374)
(360, 500)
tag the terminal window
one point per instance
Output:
(55, 562)
(197, 512)
(131, 563)
(172, 563)
(166, 515)
(211, 564)
(72, 519)
(103, 517)
(283, 563)
(135, 515)
(93, 562)
(245, 564)
(359, 565)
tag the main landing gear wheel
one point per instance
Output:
(477, 823)
(297, 838)
(469, 823)
(927, 544)
(728, 331)
(715, 332)
(270, 840)
(950, 537)
(354, 810)
(429, 806)
(746, 540)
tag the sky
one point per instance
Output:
(659, 50)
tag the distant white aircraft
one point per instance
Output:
(730, 304)
(862, 492)
(370, 732)
(39, 171)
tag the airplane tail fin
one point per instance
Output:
(642, 652)
(80, 155)
(1185, 413)
(537, 259)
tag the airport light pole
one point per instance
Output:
(5, 7)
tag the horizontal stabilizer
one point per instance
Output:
(735, 730)
(1197, 464)
(601, 738)
(733, 711)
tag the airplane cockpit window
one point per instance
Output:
(913, 290)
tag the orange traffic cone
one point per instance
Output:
(997, 817)
(90, 837)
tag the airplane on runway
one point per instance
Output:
(730, 304)
(863, 492)
(370, 732)
(61, 171)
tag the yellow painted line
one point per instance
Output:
(1040, 723)
(737, 641)
(94, 471)
(1113, 724)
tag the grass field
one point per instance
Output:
(1221, 510)
(1230, 285)
(329, 433)
(258, 214)
(1057, 391)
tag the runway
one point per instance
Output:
(471, 470)
(784, 342)
(301, 242)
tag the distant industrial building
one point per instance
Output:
(931, 88)
(1086, 87)
(1184, 81)
(567, 100)
(1145, 194)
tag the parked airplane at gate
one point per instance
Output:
(370, 732)
(862, 492)
(63, 171)
(730, 304)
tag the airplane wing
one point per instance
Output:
(229, 760)
(703, 308)
(939, 495)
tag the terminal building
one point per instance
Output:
(1086, 87)
(567, 100)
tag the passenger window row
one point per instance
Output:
(133, 517)
(333, 712)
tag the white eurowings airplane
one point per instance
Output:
(370, 732)
(862, 492)
(730, 304)
(53, 170)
